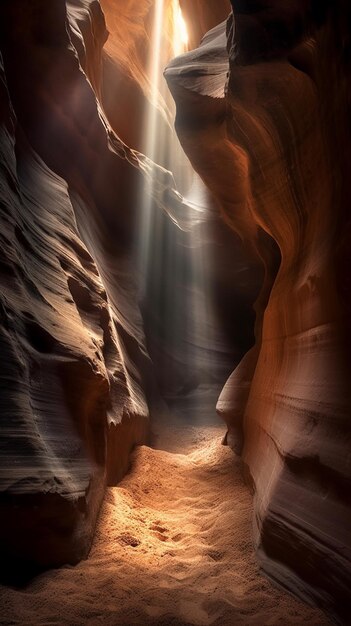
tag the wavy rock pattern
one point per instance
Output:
(267, 152)
(74, 365)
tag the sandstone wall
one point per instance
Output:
(272, 139)
(74, 368)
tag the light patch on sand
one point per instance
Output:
(173, 547)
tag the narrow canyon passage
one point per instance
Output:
(175, 237)
(173, 547)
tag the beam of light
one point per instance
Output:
(183, 28)
(155, 64)
(150, 143)
(180, 30)
(174, 273)
(160, 143)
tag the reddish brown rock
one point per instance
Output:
(74, 367)
(202, 15)
(267, 150)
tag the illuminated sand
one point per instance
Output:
(173, 546)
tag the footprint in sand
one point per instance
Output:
(178, 537)
(159, 531)
(128, 540)
(215, 555)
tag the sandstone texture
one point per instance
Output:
(163, 553)
(74, 368)
(202, 15)
(262, 112)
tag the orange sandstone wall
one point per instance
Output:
(272, 141)
(202, 15)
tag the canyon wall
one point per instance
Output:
(74, 368)
(203, 15)
(263, 114)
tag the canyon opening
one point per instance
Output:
(175, 312)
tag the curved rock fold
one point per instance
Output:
(267, 157)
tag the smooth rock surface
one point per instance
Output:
(266, 151)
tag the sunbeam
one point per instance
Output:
(173, 266)
(180, 30)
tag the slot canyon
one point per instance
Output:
(175, 312)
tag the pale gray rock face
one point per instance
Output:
(266, 150)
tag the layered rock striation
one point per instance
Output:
(262, 114)
(74, 369)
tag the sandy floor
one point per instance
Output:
(173, 547)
